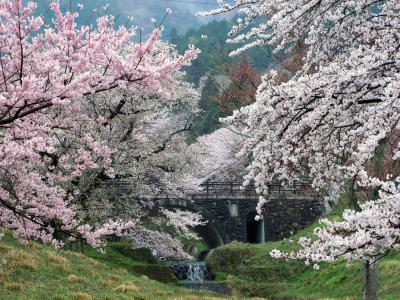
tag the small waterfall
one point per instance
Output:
(195, 275)
(196, 272)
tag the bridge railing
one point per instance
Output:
(236, 187)
(233, 187)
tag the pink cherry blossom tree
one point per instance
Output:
(48, 72)
(327, 121)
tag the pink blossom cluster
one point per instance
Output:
(93, 236)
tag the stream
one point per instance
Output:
(195, 275)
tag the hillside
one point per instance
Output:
(249, 270)
(38, 272)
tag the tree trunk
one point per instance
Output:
(370, 274)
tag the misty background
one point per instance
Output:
(182, 18)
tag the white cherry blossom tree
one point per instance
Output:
(217, 156)
(327, 121)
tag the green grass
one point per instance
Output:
(112, 257)
(249, 270)
(38, 271)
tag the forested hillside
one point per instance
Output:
(214, 62)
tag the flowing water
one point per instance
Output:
(196, 272)
(195, 275)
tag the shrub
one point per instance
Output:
(228, 259)
(160, 273)
(141, 254)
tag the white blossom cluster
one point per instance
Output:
(162, 243)
(183, 222)
(217, 155)
(368, 234)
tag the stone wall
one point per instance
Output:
(227, 205)
(285, 213)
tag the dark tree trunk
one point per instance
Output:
(370, 274)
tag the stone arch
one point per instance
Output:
(212, 234)
(255, 231)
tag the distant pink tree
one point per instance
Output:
(46, 71)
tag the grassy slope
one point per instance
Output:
(249, 270)
(39, 272)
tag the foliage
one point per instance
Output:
(210, 39)
(208, 120)
(140, 254)
(160, 273)
(227, 259)
(244, 81)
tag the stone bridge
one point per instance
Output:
(230, 211)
